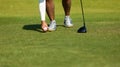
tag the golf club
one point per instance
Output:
(83, 28)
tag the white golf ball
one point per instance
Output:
(45, 28)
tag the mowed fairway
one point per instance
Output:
(22, 44)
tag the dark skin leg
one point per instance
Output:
(67, 6)
(50, 9)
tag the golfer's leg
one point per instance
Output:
(67, 6)
(51, 15)
(42, 9)
(50, 9)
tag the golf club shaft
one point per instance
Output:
(82, 12)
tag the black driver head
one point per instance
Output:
(82, 29)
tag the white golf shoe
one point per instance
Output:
(68, 22)
(52, 26)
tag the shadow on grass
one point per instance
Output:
(34, 27)
(60, 26)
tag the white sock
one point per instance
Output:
(53, 21)
(67, 17)
(42, 9)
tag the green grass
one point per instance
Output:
(22, 44)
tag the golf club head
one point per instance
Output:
(82, 29)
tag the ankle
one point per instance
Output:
(67, 17)
(52, 21)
